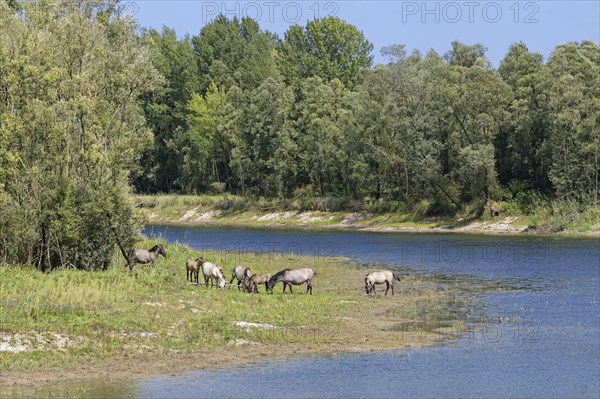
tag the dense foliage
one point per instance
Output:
(70, 131)
(308, 116)
(236, 109)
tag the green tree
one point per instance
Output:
(206, 151)
(272, 138)
(328, 48)
(234, 52)
(467, 56)
(166, 110)
(521, 146)
(477, 99)
(320, 139)
(572, 78)
(71, 129)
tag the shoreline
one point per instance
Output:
(132, 368)
(470, 230)
(245, 213)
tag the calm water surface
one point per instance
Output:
(544, 341)
(543, 338)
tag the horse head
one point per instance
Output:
(221, 276)
(160, 249)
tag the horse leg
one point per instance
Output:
(187, 275)
(392, 284)
(291, 292)
(284, 285)
(266, 286)
(309, 286)
(387, 287)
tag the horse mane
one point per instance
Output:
(154, 248)
(279, 273)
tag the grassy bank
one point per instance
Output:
(532, 216)
(72, 324)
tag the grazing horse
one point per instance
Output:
(193, 268)
(241, 273)
(213, 272)
(257, 279)
(381, 277)
(293, 277)
(148, 256)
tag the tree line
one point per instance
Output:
(249, 113)
(93, 106)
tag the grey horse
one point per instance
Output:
(293, 277)
(213, 273)
(381, 277)
(241, 273)
(144, 256)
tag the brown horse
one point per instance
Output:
(255, 280)
(193, 268)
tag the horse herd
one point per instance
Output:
(246, 280)
(249, 282)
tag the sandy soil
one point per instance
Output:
(357, 222)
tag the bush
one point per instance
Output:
(530, 201)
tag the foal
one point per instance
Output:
(257, 279)
(193, 268)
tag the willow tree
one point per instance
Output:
(70, 130)
(573, 85)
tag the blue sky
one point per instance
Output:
(417, 24)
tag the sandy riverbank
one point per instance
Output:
(341, 221)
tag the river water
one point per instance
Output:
(542, 339)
